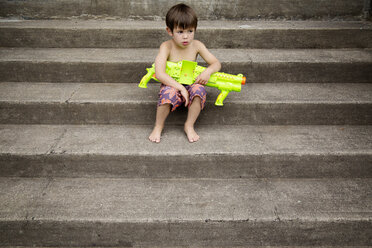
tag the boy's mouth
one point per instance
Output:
(185, 43)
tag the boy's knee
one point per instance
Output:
(197, 99)
(169, 96)
(198, 89)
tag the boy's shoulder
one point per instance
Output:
(166, 44)
(199, 45)
(198, 42)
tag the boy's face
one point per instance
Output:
(182, 37)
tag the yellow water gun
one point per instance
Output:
(185, 72)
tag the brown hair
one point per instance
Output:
(182, 16)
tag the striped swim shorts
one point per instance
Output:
(169, 95)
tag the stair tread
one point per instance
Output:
(123, 55)
(215, 34)
(202, 25)
(260, 93)
(180, 200)
(206, 10)
(215, 140)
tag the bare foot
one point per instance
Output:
(156, 134)
(191, 134)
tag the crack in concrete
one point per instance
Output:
(276, 213)
(60, 137)
(73, 93)
(46, 186)
(30, 212)
(271, 200)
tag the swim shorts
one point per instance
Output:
(172, 96)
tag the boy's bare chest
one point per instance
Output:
(176, 54)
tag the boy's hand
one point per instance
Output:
(185, 95)
(203, 78)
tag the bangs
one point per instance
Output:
(186, 21)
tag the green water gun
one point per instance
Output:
(185, 72)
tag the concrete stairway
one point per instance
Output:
(286, 162)
(147, 9)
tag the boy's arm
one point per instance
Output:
(214, 64)
(162, 76)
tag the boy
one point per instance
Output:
(181, 24)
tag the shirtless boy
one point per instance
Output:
(181, 24)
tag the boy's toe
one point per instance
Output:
(154, 140)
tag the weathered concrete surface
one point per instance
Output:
(209, 166)
(147, 9)
(243, 246)
(138, 212)
(256, 104)
(107, 185)
(215, 34)
(62, 139)
(128, 65)
(223, 152)
(200, 234)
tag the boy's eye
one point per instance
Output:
(185, 31)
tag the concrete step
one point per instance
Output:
(240, 246)
(224, 151)
(145, 9)
(128, 65)
(256, 104)
(184, 212)
(215, 34)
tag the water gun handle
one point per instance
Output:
(221, 97)
(147, 77)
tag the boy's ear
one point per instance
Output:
(169, 31)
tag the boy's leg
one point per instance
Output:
(162, 113)
(168, 98)
(192, 116)
(198, 96)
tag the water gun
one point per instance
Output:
(185, 72)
